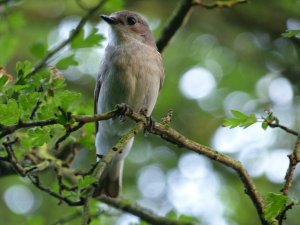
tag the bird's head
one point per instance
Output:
(127, 26)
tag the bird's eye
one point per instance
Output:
(131, 21)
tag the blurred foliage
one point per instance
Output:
(240, 46)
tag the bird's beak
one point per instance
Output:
(110, 19)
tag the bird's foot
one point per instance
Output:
(122, 109)
(150, 122)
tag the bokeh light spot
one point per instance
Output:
(151, 181)
(19, 199)
(281, 91)
(197, 83)
(278, 163)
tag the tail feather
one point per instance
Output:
(110, 183)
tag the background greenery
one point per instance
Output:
(241, 47)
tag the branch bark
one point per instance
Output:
(106, 159)
(141, 212)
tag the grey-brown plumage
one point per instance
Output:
(132, 73)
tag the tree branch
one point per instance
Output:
(36, 181)
(6, 130)
(143, 213)
(180, 13)
(171, 135)
(286, 129)
(73, 34)
(106, 159)
(218, 4)
(174, 23)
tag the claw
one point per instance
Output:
(122, 111)
(150, 125)
(99, 156)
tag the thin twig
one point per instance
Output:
(286, 129)
(36, 181)
(73, 34)
(218, 4)
(36, 107)
(68, 133)
(6, 130)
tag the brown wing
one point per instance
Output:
(104, 68)
(96, 97)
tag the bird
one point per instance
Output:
(131, 73)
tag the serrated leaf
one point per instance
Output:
(93, 39)
(86, 181)
(23, 68)
(38, 136)
(27, 102)
(67, 99)
(3, 80)
(78, 41)
(38, 50)
(275, 203)
(239, 114)
(9, 113)
(291, 33)
(240, 119)
(64, 63)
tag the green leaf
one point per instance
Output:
(38, 50)
(275, 203)
(240, 119)
(64, 63)
(38, 136)
(93, 39)
(291, 33)
(3, 80)
(67, 99)
(86, 181)
(23, 68)
(26, 103)
(172, 215)
(190, 219)
(264, 125)
(9, 113)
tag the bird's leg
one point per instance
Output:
(150, 121)
(122, 109)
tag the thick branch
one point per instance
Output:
(106, 159)
(180, 13)
(171, 135)
(144, 214)
(174, 24)
(294, 160)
